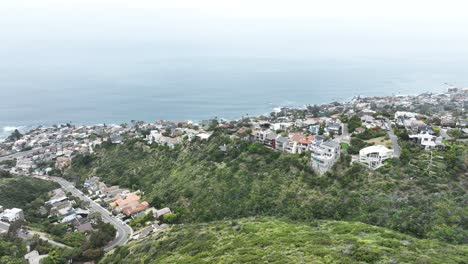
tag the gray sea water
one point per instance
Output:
(119, 90)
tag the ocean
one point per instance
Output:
(117, 90)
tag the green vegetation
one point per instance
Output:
(353, 123)
(85, 248)
(26, 193)
(200, 183)
(457, 134)
(371, 133)
(8, 163)
(269, 240)
(357, 144)
(12, 250)
(344, 146)
(141, 221)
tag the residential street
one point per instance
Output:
(17, 155)
(124, 232)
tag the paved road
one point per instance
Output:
(17, 155)
(124, 232)
(444, 135)
(394, 139)
(344, 133)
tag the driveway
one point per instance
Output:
(394, 139)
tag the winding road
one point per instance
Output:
(124, 232)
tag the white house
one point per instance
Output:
(427, 140)
(374, 156)
(33, 257)
(12, 215)
(324, 154)
(281, 143)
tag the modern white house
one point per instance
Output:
(427, 140)
(12, 215)
(323, 154)
(374, 156)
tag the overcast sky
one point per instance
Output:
(240, 28)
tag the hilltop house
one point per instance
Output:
(374, 156)
(281, 143)
(324, 154)
(266, 137)
(298, 142)
(427, 140)
(12, 215)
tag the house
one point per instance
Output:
(359, 130)
(130, 204)
(70, 218)
(324, 154)
(92, 184)
(374, 156)
(85, 227)
(414, 125)
(298, 142)
(314, 129)
(333, 127)
(33, 257)
(266, 137)
(146, 231)
(157, 137)
(133, 209)
(116, 139)
(158, 213)
(367, 119)
(125, 201)
(281, 143)
(204, 136)
(12, 215)
(427, 140)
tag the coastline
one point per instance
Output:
(5, 131)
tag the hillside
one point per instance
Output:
(21, 191)
(269, 240)
(201, 183)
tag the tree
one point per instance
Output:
(405, 156)
(353, 123)
(170, 218)
(15, 135)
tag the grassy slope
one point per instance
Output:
(268, 240)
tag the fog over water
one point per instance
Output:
(97, 63)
